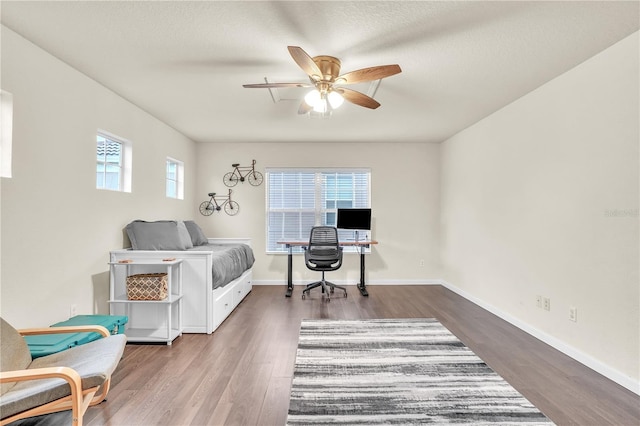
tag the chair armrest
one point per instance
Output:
(66, 329)
(71, 376)
(66, 373)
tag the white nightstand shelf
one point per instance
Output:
(149, 320)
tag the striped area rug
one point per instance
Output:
(406, 371)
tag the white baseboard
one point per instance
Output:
(269, 282)
(352, 282)
(405, 282)
(298, 283)
(609, 372)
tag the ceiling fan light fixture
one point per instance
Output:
(313, 97)
(335, 99)
(321, 105)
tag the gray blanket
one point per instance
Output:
(229, 261)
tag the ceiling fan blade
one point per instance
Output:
(275, 85)
(305, 62)
(304, 108)
(368, 74)
(358, 98)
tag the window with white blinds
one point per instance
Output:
(298, 199)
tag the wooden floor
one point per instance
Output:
(241, 374)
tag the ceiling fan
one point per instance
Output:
(325, 78)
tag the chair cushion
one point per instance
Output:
(14, 352)
(323, 258)
(94, 362)
(61, 418)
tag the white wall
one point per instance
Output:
(541, 198)
(57, 229)
(404, 200)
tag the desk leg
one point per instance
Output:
(289, 271)
(361, 286)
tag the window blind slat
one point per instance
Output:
(298, 199)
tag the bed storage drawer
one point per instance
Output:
(242, 288)
(222, 306)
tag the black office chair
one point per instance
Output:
(323, 254)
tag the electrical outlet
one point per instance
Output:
(73, 310)
(546, 303)
(573, 313)
(539, 301)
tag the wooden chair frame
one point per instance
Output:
(79, 400)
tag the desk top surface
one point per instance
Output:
(342, 243)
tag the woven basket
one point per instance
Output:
(147, 286)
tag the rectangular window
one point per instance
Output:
(298, 199)
(175, 179)
(113, 159)
(6, 132)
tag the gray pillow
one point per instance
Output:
(197, 236)
(185, 237)
(159, 235)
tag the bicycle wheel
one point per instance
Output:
(231, 208)
(230, 179)
(206, 208)
(255, 178)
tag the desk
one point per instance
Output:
(360, 244)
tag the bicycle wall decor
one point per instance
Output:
(219, 202)
(240, 173)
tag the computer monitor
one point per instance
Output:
(358, 219)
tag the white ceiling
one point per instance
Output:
(185, 62)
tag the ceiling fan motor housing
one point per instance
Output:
(329, 66)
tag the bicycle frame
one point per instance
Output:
(248, 169)
(214, 201)
(219, 202)
(242, 173)
(224, 198)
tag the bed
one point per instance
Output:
(216, 272)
